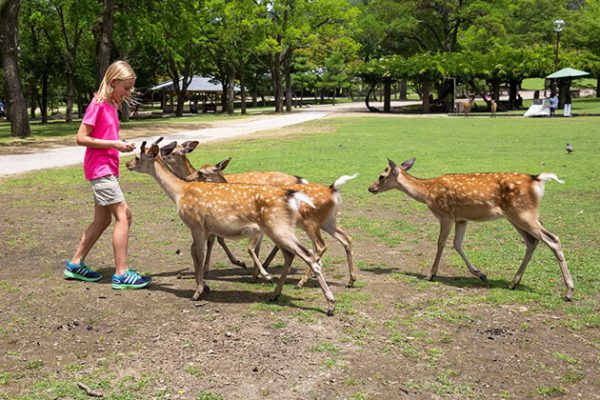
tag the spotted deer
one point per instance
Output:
(177, 159)
(326, 200)
(233, 212)
(467, 105)
(459, 198)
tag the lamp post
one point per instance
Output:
(559, 25)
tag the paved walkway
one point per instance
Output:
(20, 163)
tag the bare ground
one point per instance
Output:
(394, 336)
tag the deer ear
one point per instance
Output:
(189, 146)
(168, 149)
(406, 165)
(143, 147)
(222, 165)
(153, 151)
(392, 166)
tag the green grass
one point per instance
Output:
(440, 145)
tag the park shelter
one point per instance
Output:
(202, 88)
(564, 78)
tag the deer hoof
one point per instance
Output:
(274, 298)
(569, 295)
(430, 277)
(482, 277)
(331, 308)
(196, 296)
(242, 264)
(512, 286)
(206, 289)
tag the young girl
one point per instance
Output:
(99, 132)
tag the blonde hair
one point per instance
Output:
(119, 70)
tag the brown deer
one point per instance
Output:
(459, 198)
(177, 159)
(235, 212)
(326, 200)
(467, 105)
(493, 107)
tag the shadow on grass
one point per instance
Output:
(244, 275)
(235, 297)
(470, 282)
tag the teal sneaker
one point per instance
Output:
(130, 280)
(80, 272)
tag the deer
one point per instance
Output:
(460, 198)
(493, 108)
(326, 200)
(233, 212)
(467, 105)
(177, 159)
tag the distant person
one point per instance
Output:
(567, 109)
(99, 133)
(553, 104)
(519, 101)
(536, 94)
(2, 111)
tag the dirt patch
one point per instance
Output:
(394, 336)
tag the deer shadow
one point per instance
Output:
(234, 297)
(469, 282)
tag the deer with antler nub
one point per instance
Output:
(233, 212)
(459, 198)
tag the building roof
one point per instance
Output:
(198, 84)
(567, 73)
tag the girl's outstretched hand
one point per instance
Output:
(125, 147)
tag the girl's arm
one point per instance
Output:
(84, 139)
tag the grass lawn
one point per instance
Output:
(393, 330)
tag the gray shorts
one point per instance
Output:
(107, 190)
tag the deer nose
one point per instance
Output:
(372, 190)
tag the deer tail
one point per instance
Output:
(547, 176)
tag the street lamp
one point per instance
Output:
(559, 25)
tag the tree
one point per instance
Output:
(15, 106)
(104, 39)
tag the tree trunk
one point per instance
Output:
(403, 90)
(16, 107)
(425, 91)
(288, 82)
(230, 89)
(243, 105)
(277, 86)
(598, 87)
(44, 101)
(387, 96)
(512, 95)
(104, 44)
(70, 93)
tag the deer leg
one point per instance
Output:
(459, 235)
(531, 244)
(346, 241)
(270, 257)
(257, 264)
(198, 256)
(288, 257)
(445, 226)
(314, 233)
(210, 242)
(288, 241)
(538, 232)
(230, 255)
(553, 242)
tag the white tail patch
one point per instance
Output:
(343, 179)
(546, 176)
(304, 181)
(299, 198)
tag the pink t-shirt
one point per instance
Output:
(104, 118)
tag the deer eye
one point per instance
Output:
(381, 177)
